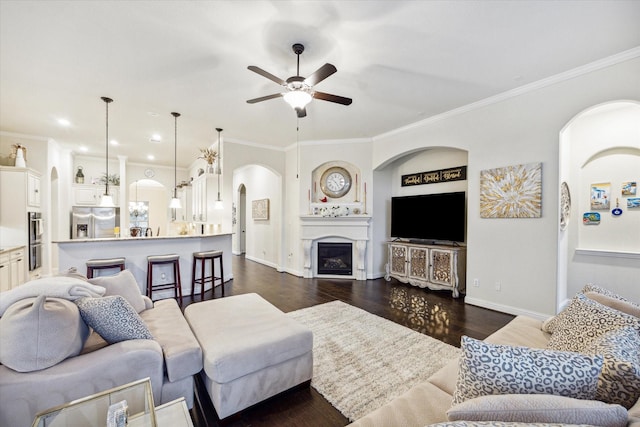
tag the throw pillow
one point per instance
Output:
(590, 287)
(538, 408)
(583, 321)
(39, 332)
(615, 303)
(113, 318)
(487, 369)
(123, 284)
(619, 380)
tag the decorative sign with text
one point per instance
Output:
(433, 177)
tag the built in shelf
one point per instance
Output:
(608, 253)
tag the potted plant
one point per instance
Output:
(209, 155)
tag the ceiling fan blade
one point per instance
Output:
(321, 73)
(332, 98)
(267, 75)
(302, 112)
(264, 98)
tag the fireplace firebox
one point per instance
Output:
(335, 258)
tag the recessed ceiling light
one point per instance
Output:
(153, 114)
(83, 149)
(151, 157)
(155, 138)
(114, 142)
(64, 122)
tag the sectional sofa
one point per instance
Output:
(49, 356)
(579, 367)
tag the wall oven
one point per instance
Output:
(36, 230)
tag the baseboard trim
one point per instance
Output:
(504, 308)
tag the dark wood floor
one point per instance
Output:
(433, 313)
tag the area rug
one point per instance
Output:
(362, 361)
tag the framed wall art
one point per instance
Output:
(260, 209)
(511, 192)
(600, 196)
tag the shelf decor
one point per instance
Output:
(260, 209)
(511, 192)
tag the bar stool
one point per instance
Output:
(103, 264)
(202, 257)
(155, 260)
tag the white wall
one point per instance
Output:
(521, 254)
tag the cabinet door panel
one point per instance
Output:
(398, 256)
(441, 267)
(418, 262)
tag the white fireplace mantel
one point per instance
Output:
(353, 227)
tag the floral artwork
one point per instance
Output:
(629, 188)
(511, 192)
(600, 196)
(260, 209)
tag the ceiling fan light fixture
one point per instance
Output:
(297, 99)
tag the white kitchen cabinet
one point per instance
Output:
(185, 196)
(18, 196)
(428, 266)
(12, 268)
(89, 194)
(33, 189)
(203, 197)
(5, 272)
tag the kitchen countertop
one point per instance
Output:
(127, 238)
(4, 249)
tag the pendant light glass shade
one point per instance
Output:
(106, 200)
(175, 202)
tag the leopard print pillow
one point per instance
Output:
(490, 369)
(619, 381)
(583, 321)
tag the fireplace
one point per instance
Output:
(335, 258)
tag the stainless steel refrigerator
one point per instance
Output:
(94, 222)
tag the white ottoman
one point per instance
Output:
(251, 350)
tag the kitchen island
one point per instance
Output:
(76, 252)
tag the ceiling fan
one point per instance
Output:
(299, 91)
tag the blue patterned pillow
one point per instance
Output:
(113, 318)
(490, 369)
(619, 381)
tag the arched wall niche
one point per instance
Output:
(600, 145)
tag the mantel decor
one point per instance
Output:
(260, 209)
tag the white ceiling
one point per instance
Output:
(400, 61)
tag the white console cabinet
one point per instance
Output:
(428, 266)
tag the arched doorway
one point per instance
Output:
(599, 148)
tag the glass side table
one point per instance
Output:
(93, 410)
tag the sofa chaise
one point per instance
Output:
(438, 400)
(49, 356)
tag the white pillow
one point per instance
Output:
(539, 408)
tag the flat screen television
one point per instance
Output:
(429, 217)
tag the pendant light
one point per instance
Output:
(218, 204)
(175, 202)
(106, 200)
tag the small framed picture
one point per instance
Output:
(260, 209)
(600, 196)
(629, 188)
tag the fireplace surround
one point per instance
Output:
(352, 229)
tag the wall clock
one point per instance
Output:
(149, 173)
(335, 182)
